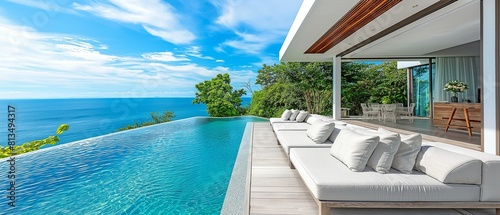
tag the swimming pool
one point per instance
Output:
(181, 167)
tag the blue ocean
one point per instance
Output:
(39, 118)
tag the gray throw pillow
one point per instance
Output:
(353, 149)
(383, 155)
(294, 114)
(286, 114)
(302, 116)
(320, 131)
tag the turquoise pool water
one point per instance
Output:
(182, 167)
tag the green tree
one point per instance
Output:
(379, 83)
(33, 145)
(273, 100)
(309, 86)
(314, 80)
(295, 85)
(218, 95)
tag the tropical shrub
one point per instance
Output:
(33, 145)
(156, 118)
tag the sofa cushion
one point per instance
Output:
(280, 120)
(295, 126)
(302, 116)
(449, 167)
(312, 119)
(336, 132)
(405, 157)
(490, 185)
(294, 115)
(383, 155)
(286, 114)
(353, 149)
(298, 139)
(328, 179)
(320, 131)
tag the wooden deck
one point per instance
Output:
(275, 188)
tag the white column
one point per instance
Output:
(336, 87)
(490, 92)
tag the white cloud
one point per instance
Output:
(36, 64)
(263, 22)
(156, 17)
(82, 49)
(49, 7)
(251, 43)
(268, 60)
(220, 48)
(219, 61)
(163, 56)
(195, 51)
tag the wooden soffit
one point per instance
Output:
(361, 14)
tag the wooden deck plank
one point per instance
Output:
(275, 188)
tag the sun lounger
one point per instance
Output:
(333, 185)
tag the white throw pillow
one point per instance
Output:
(286, 114)
(320, 131)
(336, 132)
(353, 149)
(302, 116)
(383, 155)
(311, 119)
(405, 158)
(294, 115)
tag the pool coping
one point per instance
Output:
(236, 200)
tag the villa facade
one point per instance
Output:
(456, 39)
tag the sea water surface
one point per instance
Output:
(89, 117)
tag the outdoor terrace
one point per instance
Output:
(277, 189)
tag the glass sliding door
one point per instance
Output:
(421, 90)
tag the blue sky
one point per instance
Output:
(134, 48)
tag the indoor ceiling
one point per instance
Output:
(453, 25)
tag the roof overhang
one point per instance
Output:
(407, 29)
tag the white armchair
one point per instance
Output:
(370, 112)
(389, 112)
(406, 111)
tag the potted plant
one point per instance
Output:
(455, 87)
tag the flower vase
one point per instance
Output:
(454, 98)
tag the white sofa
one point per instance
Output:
(279, 124)
(471, 180)
(290, 135)
(444, 176)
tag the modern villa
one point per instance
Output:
(448, 39)
(442, 157)
(437, 41)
